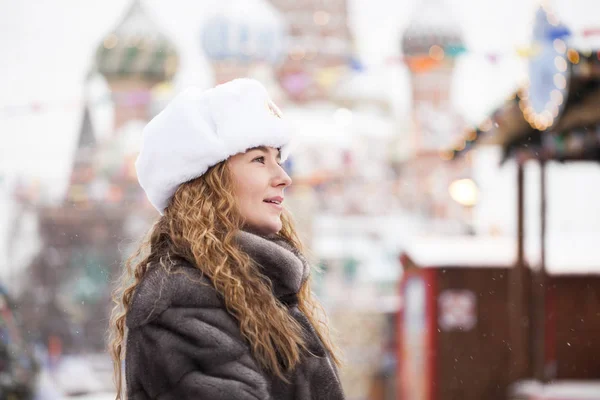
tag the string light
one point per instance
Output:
(543, 116)
(560, 63)
(560, 46)
(544, 119)
(436, 52)
(560, 81)
(557, 97)
(447, 155)
(573, 56)
(552, 19)
(111, 41)
(486, 125)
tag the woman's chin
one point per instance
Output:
(266, 229)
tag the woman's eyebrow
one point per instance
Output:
(264, 149)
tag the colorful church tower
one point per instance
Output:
(134, 58)
(430, 45)
(85, 238)
(319, 46)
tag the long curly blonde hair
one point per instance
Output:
(200, 225)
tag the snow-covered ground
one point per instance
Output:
(562, 390)
(84, 377)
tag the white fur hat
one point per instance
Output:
(199, 129)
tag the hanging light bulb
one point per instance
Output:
(573, 56)
(560, 46)
(560, 63)
(464, 191)
(436, 52)
(111, 41)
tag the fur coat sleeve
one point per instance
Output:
(187, 346)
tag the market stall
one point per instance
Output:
(454, 329)
(553, 118)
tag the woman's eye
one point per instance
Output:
(260, 159)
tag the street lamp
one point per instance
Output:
(465, 192)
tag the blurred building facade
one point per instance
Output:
(318, 44)
(430, 44)
(86, 237)
(354, 202)
(245, 39)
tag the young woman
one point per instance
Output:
(216, 303)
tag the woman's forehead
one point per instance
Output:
(266, 149)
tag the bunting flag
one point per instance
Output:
(325, 77)
(122, 99)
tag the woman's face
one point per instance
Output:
(259, 182)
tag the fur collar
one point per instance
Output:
(160, 289)
(278, 260)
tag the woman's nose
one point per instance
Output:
(282, 178)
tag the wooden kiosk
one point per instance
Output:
(455, 327)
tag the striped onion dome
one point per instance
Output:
(136, 48)
(244, 31)
(432, 24)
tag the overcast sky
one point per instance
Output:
(48, 46)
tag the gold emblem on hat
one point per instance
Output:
(273, 109)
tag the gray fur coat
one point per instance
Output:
(183, 344)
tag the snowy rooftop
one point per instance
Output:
(572, 254)
(575, 390)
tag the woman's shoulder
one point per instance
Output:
(178, 284)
